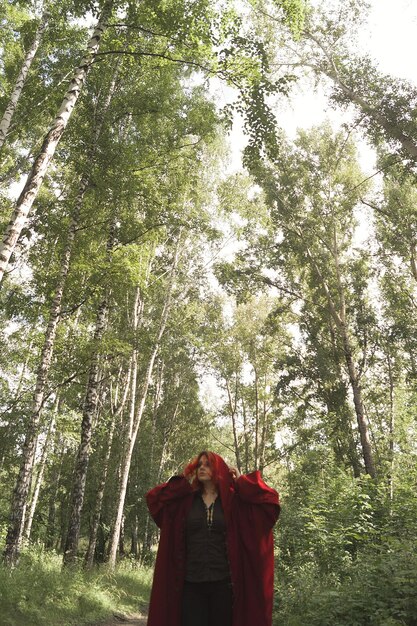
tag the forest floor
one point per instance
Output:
(132, 620)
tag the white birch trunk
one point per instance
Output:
(21, 79)
(39, 478)
(89, 558)
(83, 456)
(246, 435)
(391, 433)
(50, 525)
(256, 447)
(265, 412)
(167, 439)
(90, 406)
(21, 491)
(126, 461)
(41, 163)
(148, 534)
(233, 410)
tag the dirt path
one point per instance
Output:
(129, 620)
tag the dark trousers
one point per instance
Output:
(207, 604)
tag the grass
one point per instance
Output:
(38, 592)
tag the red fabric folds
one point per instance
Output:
(251, 509)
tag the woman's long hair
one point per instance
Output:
(190, 471)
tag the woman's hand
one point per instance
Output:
(234, 472)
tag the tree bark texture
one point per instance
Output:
(391, 431)
(127, 458)
(340, 321)
(21, 80)
(83, 456)
(256, 443)
(24, 477)
(41, 163)
(90, 405)
(104, 466)
(233, 411)
(39, 477)
(50, 526)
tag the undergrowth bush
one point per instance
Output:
(346, 553)
(38, 592)
(379, 588)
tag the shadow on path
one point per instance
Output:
(129, 620)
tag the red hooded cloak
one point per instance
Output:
(251, 509)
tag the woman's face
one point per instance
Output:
(204, 472)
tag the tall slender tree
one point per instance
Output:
(50, 142)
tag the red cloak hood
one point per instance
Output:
(251, 509)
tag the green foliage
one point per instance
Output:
(39, 592)
(295, 12)
(343, 557)
(147, 139)
(377, 589)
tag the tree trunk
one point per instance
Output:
(41, 163)
(340, 321)
(147, 534)
(80, 474)
(156, 404)
(104, 467)
(122, 537)
(391, 432)
(39, 477)
(126, 461)
(413, 261)
(256, 446)
(233, 409)
(21, 79)
(134, 545)
(95, 522)
(29, 448)
(50, 526)
(23, 372)
(90, 405)
(263, 430)
(246, 436)
(359, 408)
(22, 484)
(168, 430)
(348, 434)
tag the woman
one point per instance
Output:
(215, 561)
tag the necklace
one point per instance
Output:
(210, 511)
(209, 508)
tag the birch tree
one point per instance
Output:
(312, 227)
(45, 360)
(246, 357)
(117, 408)
(137, 410)
(22, 76)
(383, 105)
(89, 410)
(50, 142)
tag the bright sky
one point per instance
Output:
(389, 37)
